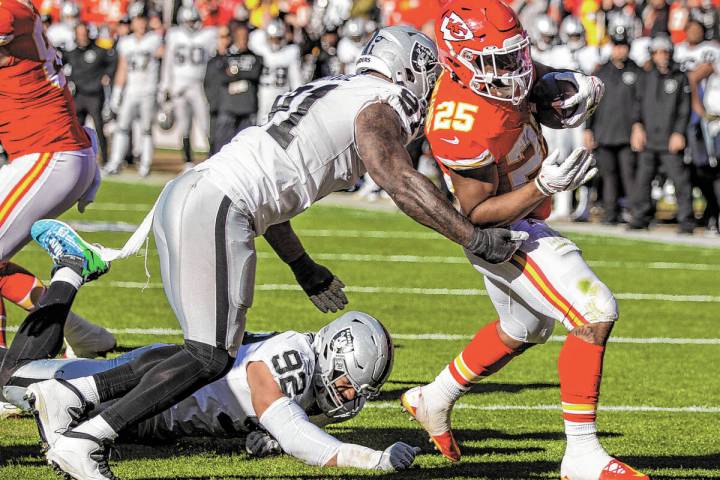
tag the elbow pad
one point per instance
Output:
(288, 423)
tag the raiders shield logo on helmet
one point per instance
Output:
(342, 341)
(422, 58)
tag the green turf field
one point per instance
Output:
(510, 425)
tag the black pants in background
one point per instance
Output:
(672, 164)
(228, 125)
(617, 169)
(92, 105)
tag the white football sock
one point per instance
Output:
(120, 143)
(98, 428)
(446, 386)
(88, 389)
(67, 275)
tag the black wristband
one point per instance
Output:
(302, 264)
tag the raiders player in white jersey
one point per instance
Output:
(320, 139)
(188, 48)
(135, 90)
(281, 65)
(695, 50)
(297, 368)
(351, 44)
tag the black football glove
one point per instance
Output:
(495, 245)
(323, 288)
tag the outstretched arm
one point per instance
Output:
(379, 141)
(288, 423)
(319, 283)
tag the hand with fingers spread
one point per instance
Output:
(397, 456)
(495, 245)
(558, 175)
(324, 289)
(585, 101)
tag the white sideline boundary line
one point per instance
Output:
(273, 287)
(440, 336)
(606, 408)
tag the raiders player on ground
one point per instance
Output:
(297, 368)
(187, 50)
(320, 139)
(135, 89)
(281, 65)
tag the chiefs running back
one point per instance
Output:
(482, 131)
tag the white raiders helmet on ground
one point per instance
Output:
(404, 55)
(355, 346)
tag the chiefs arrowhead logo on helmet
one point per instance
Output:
(454, 28)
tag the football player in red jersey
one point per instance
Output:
(52, 158)
(484, 135)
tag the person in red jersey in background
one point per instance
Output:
(52, 159)
(485, 136)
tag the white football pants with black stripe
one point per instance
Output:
(207, 260)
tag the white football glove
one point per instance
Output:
(565, 175)
(115, 99)
(590, 92)
(397, 456)
(261, 444)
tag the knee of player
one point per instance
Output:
(214, 362)
(600, 305)
(529, 331)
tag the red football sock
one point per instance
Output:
(20, 286)
(580, 369)
(483, 356)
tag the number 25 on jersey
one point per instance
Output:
(456, 116)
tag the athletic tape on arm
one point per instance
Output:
(288, 423)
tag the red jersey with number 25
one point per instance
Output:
(37, 113)
(467, 131)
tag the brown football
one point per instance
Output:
(547, 95)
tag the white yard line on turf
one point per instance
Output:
(441, 336)
(663, 297)
(606, 408)
(353, 257)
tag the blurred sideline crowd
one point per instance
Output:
(177, 71)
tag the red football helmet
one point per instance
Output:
(483, 44)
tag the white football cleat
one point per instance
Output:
(600, 466)
(80, 456)
(433, 413)
(56, 406)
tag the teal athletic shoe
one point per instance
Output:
(68, 249)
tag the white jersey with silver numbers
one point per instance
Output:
(187, 53)
(224, 406)
(219, 409)
(307, 149)
(690, 56)
(143, 65)
(281, 71)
